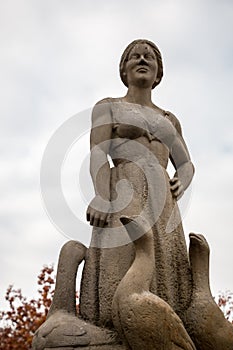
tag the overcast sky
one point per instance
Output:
(60, 57)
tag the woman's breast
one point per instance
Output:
(128, 120)
(128, 131)
(140, 133)
(133, 121)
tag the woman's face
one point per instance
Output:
(142, 67)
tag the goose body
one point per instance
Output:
(63, 328)
(205, 322)
(142, 319)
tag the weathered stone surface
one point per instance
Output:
(140, 137)
(142, 318)
(62, 327)
(204, 320)
(97, 347)
(137, 283)
(66, 331)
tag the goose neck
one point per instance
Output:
(65, 289)
(200, 272)
(141, 271)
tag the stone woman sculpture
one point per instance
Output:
(140, 137)
(157, 309)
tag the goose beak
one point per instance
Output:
(125, 220)
(136, 226)
(132, 227)
(195, 236)
(198, 239)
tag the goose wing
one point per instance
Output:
(61, 329)
(180, 338)
(148, 322)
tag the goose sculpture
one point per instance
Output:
(63, 328)
(205, 322)
(142, 319)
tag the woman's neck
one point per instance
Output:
(138, 95)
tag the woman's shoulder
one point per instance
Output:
(108, 105)
(171, 117)
(101, 112)
(174, 120)
(109, 100)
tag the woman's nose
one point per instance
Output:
(142, 60)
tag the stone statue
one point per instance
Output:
(138, 288)
(204, 320)
(136, 312)
(154, 136)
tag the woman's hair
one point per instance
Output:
(125, 57)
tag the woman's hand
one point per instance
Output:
(98, 211)
(176, 187)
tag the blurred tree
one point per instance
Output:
(19, 323)
(225, 302)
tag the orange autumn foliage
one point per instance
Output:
(19, 323)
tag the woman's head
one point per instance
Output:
(125, 57)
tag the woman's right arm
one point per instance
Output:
(181, 161)
(101, 134)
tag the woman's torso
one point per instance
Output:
(140, 132)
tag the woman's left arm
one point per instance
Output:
(181, 161)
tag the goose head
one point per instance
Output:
(198, 245)
(199, 261)
(136, 226)
(139, 232)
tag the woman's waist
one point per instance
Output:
(140, 161)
